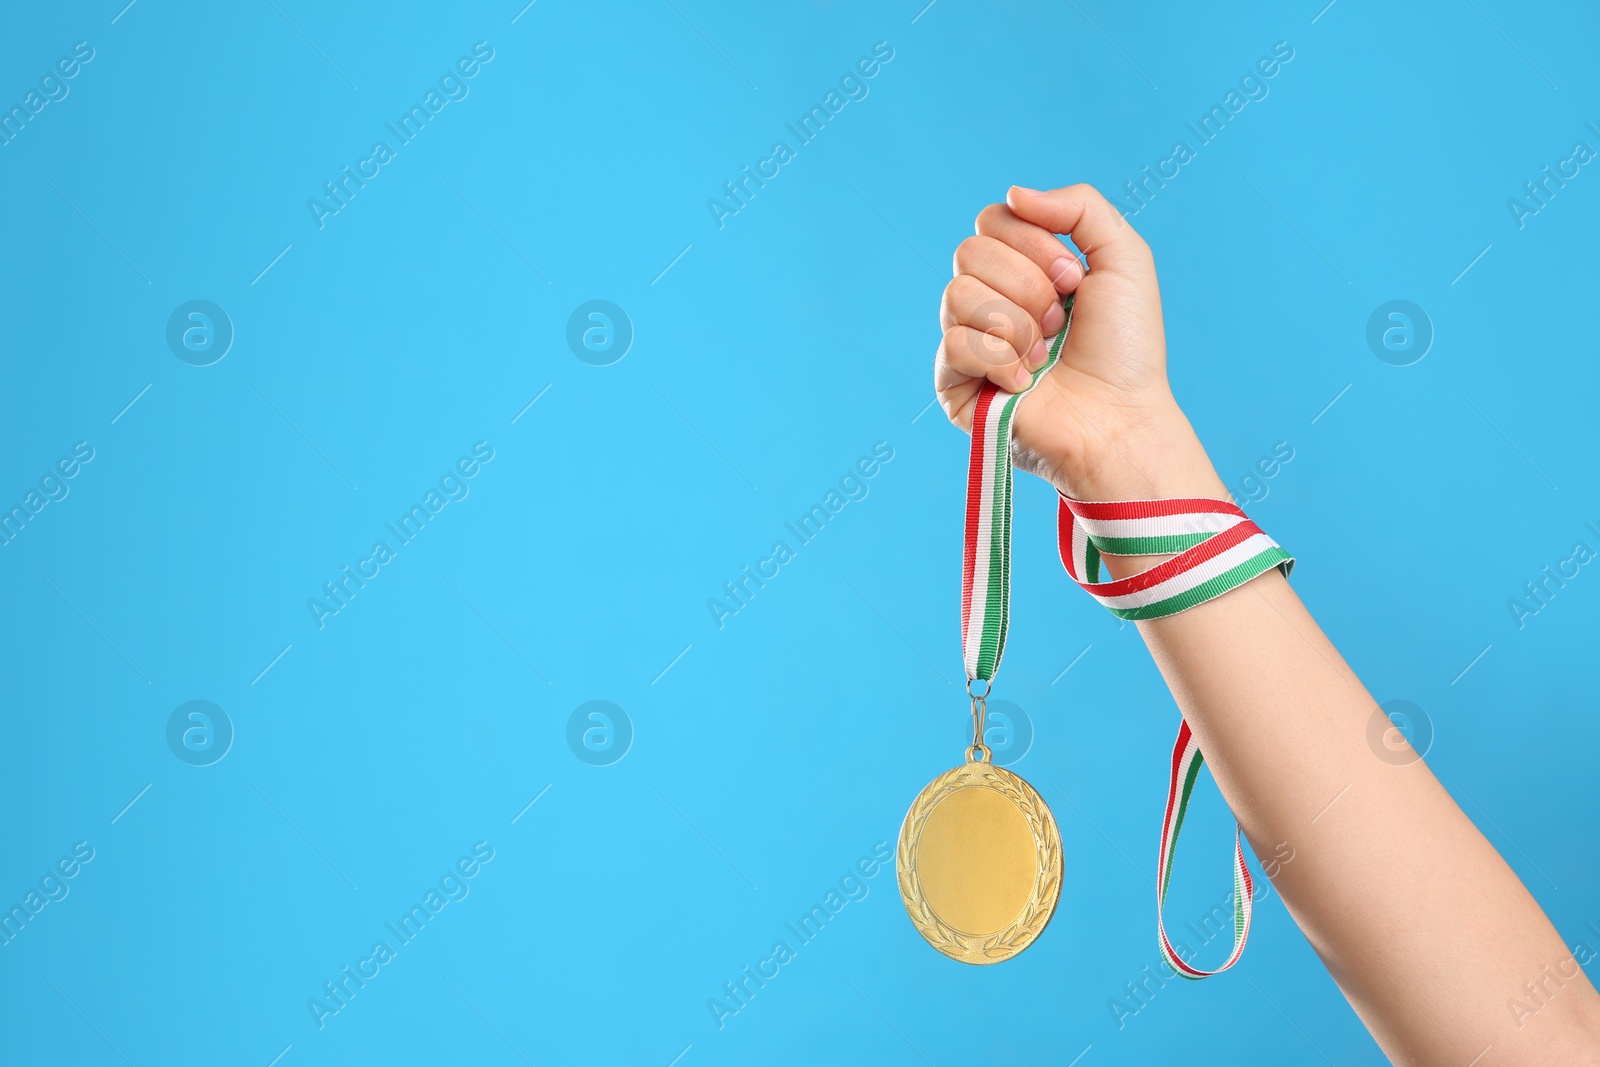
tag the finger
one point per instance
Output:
(1037, 243)
(969, 302)
(955, 390)
(1014, 276)
(966, 353)
(1095, 226)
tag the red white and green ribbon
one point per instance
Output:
(1217, 550)
(1186, 763)
(986, 551)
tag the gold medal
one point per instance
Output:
(979, 861)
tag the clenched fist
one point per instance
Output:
(1103, 424)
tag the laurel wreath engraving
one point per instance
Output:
(1041, 901)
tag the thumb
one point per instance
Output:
(1097, 228)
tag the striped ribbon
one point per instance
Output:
(1217, 549)
(986, 550)
(1186, 763)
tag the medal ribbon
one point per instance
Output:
(986, 550)
(1186, 763)
(1217, 550)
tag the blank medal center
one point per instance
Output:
(976, 861)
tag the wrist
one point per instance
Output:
(1153, 457)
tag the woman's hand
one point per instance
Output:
(1103, 424)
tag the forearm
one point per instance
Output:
(1426, 930)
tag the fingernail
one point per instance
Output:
(1037, 355)
(1065, 272)
(1054, 319)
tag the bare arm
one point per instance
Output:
(1427, 931)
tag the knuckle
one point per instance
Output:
(1008, 320)
(950, 351)
(1035, 293)
(1087, 192)
(1129, 238)
(994, 316)
(976, 348)
(958, 295)
(952, 342)
(991, 216)
(970, 251)
(964, 289)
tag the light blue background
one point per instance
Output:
(770, 754)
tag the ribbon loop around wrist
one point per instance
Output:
(1217, 550)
